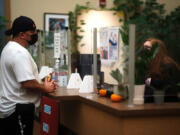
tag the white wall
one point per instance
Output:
(36, 8)
(170, 4)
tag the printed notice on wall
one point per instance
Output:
(108, 43)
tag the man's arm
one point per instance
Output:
(35, 85)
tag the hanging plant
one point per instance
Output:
(148, 17)
(75, 30)
(73, 18)
(3, 22)
(172, 33)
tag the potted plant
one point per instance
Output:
(171, 89)
(121, 87)
(159, 94)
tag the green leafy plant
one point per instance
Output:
(151, 21)
(117, 75)
(75, 30)
(73, 18)
(171, 33)
(3, 21)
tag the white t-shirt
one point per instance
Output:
(16, 66)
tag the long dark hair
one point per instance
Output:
(160, 59)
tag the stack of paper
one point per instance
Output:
(45, 71)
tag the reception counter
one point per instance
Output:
(90, 114)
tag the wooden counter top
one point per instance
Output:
(119, 108)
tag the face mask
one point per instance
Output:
(33, 40)
(146, 53)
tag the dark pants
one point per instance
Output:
(20, 122)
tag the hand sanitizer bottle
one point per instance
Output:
(56, 72)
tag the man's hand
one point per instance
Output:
(50, 86)
(148, 81)
(35, 85)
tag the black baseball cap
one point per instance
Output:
(21, 24)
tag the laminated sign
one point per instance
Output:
(49, 117)
(57, 42)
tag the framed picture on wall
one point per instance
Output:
(54, 22)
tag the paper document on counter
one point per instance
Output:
(45, 71)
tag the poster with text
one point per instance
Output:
(108, 43)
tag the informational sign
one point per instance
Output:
(63, 80)
(60, 45)
(57, 42)
(113, 44)
(49, 117)
(47, 109)
(108, 43)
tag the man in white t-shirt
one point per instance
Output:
(20, 85)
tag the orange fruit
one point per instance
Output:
(102, 92)
(115, 97)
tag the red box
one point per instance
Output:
(49, 117)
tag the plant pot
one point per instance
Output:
(139, 94)
(159, 97)
(120, 90)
